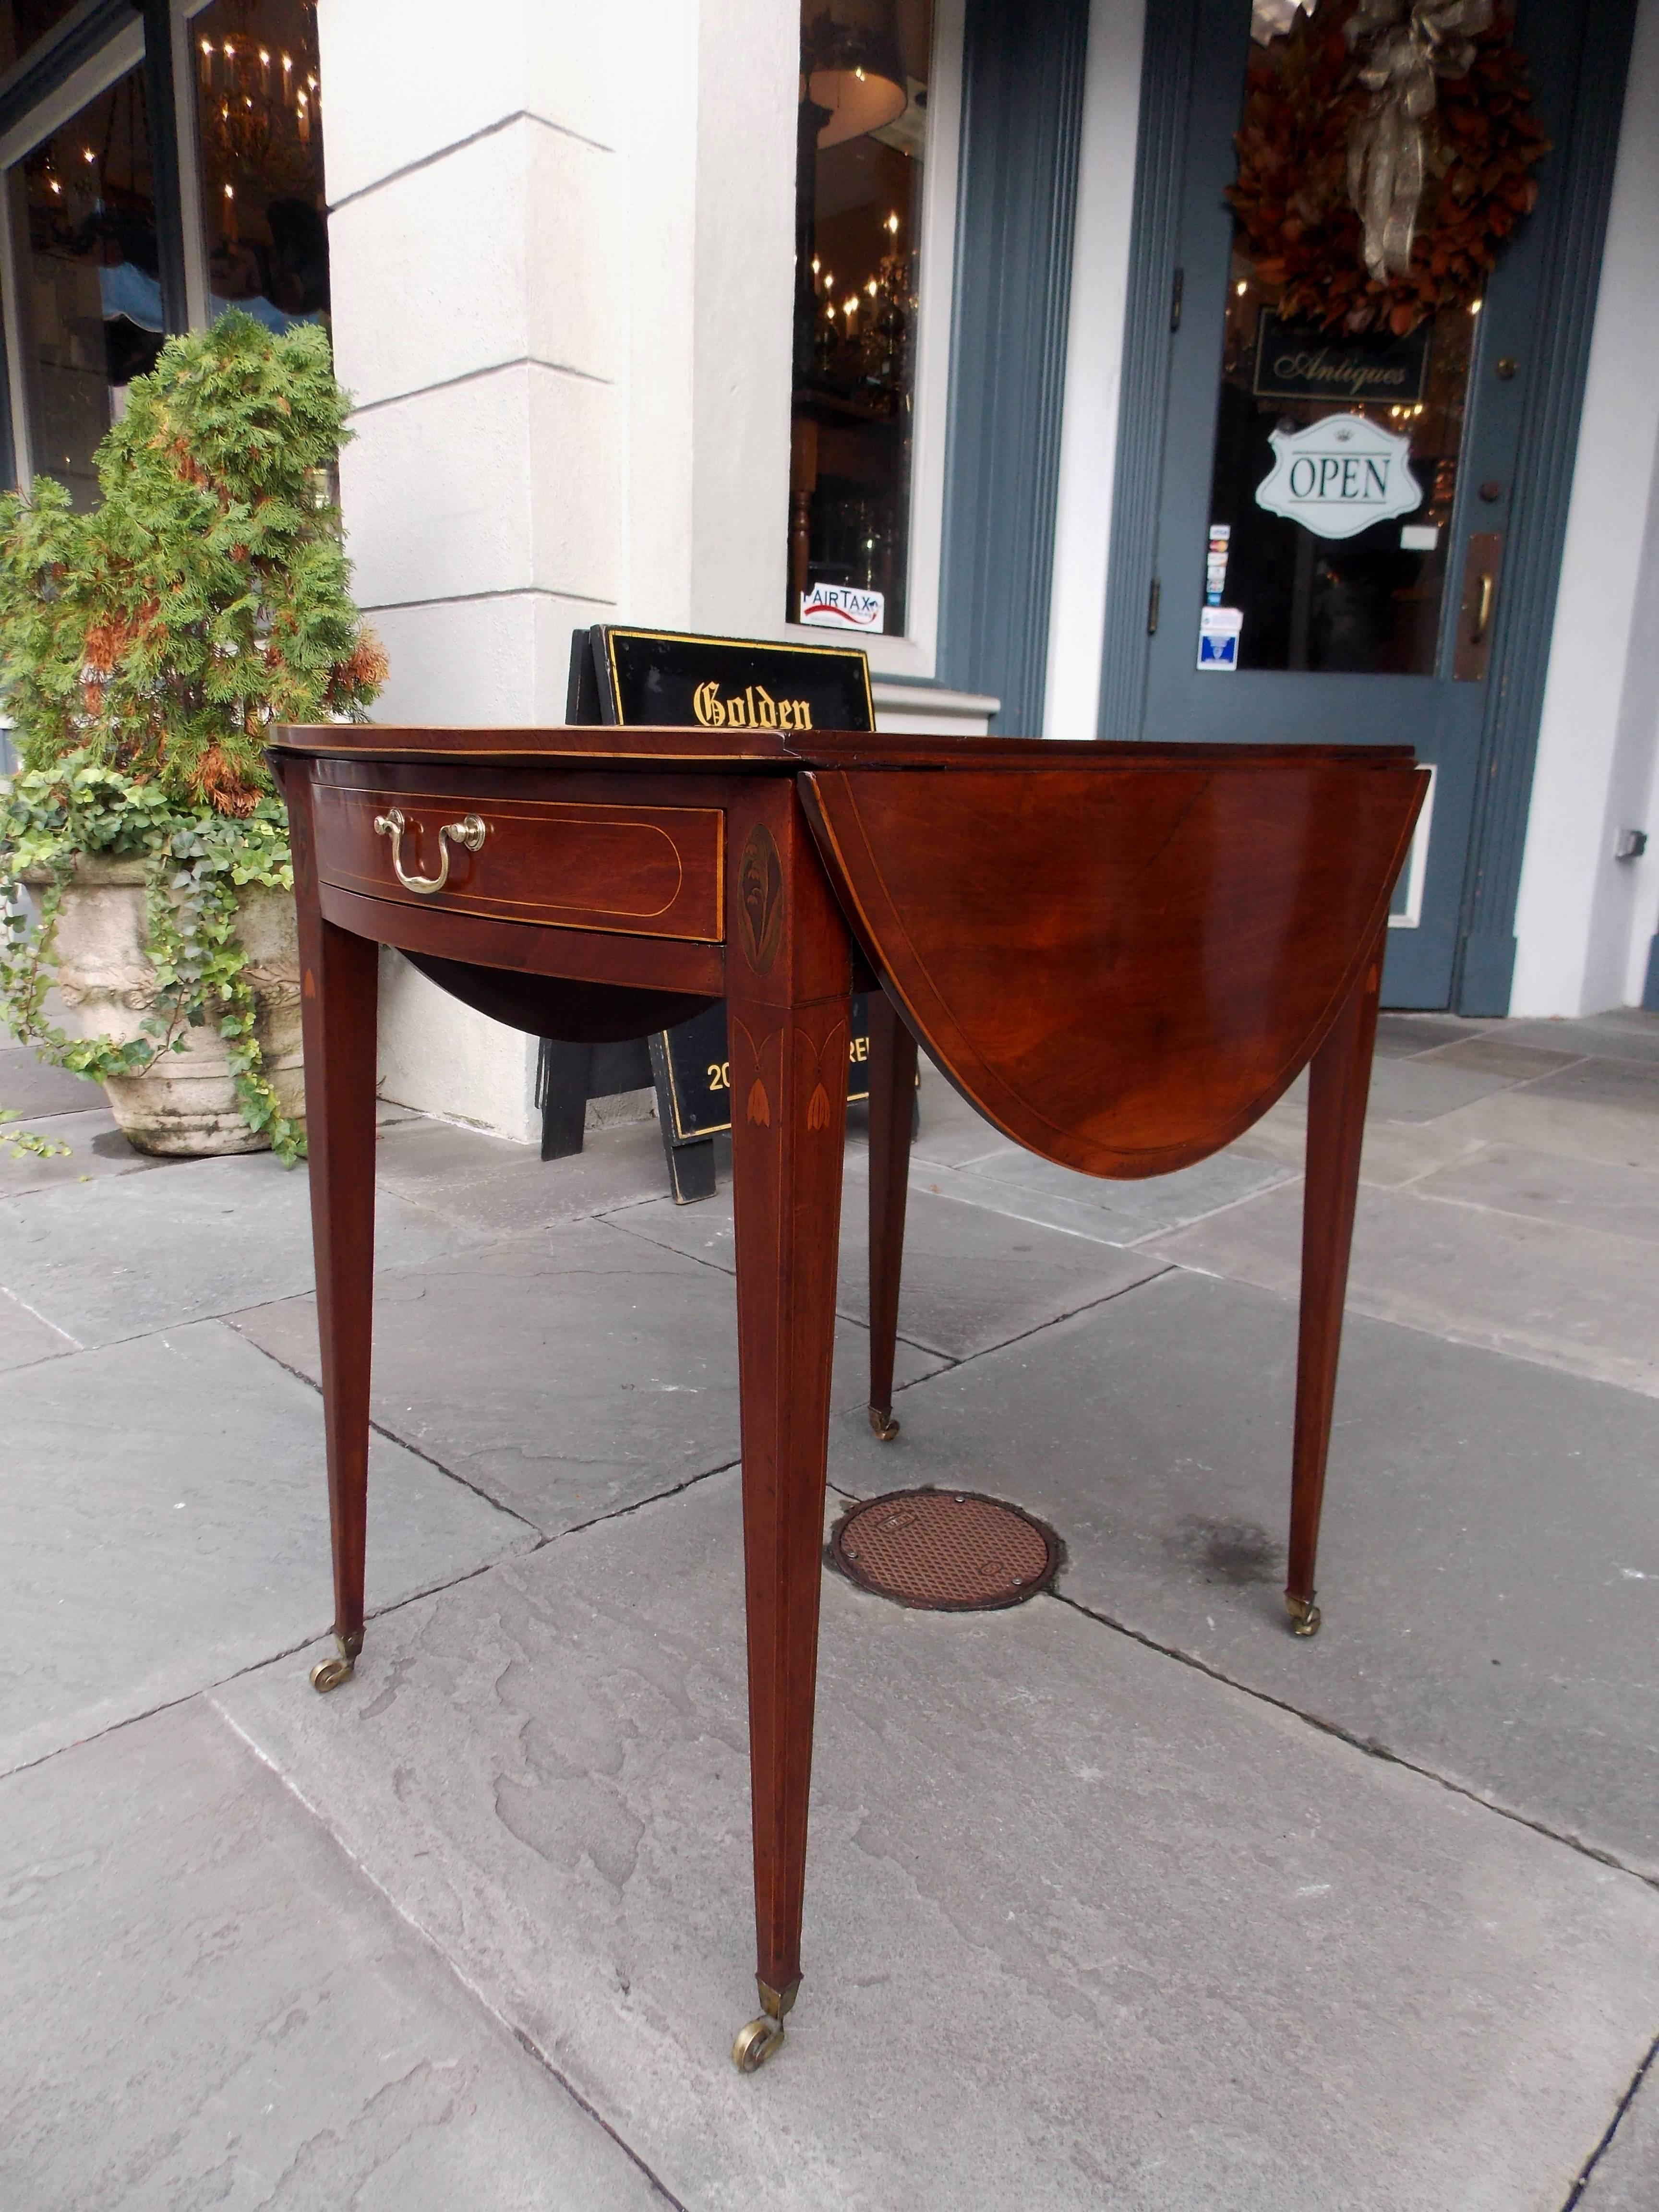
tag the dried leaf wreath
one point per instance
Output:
(1303, 99)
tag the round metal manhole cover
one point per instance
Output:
(945, 1550)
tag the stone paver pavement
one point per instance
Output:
(1124, 1898)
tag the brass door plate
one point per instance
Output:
(1482, 566)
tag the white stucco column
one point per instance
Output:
(1094, 365)
(561, 242)
(1583, 919)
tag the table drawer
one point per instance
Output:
(647, 870)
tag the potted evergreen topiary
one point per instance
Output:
(145, 647)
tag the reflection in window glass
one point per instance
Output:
(863, 130)
(24, 23)
(1371, 603)
(259, 118)
(91, 279)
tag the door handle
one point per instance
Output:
(1483, 567)
(1483, 611)
(469, 831)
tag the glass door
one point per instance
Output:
(1338, 466)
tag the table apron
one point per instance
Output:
(585, 955)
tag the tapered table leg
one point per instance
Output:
(339, 983)
(788, 1037)
(1339, 1083)
(892, 1104)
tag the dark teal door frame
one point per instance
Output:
(1022, 119)
(1582, 106)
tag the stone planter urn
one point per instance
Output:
(185, 1104)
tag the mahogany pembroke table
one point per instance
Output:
(1120, 954)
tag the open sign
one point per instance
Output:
(1338, 476)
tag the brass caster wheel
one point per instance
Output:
(756, 2043)
(882, 1426)
(329, 1674)
(1304, 1616)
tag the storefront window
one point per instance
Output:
(90, 280)
(81, 264)
(863, 134)
(258, 99)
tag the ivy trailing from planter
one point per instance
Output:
(145, 647)
(195, 865)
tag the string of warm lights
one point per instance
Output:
(888, 287)
(302, 90)
(259, 102)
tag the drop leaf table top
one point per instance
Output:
(1122, 955)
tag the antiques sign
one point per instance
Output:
(1303, 364)
(665, 679)
(1338, 476)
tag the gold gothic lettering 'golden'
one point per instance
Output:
(752, 708)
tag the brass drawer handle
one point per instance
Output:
(469, 831)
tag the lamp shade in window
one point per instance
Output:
(851, 65)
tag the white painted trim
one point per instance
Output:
(1642, 705)
(886, 693)
(1583, 918)
(198, 291)
(124, 50)
(64, 29)
(22, 442)
(1094, 356)
(1417, 860)
(922, 710)
(916, 653)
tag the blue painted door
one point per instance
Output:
(1314, 579)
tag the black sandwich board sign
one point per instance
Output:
(659, 679)
(694, 1081)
